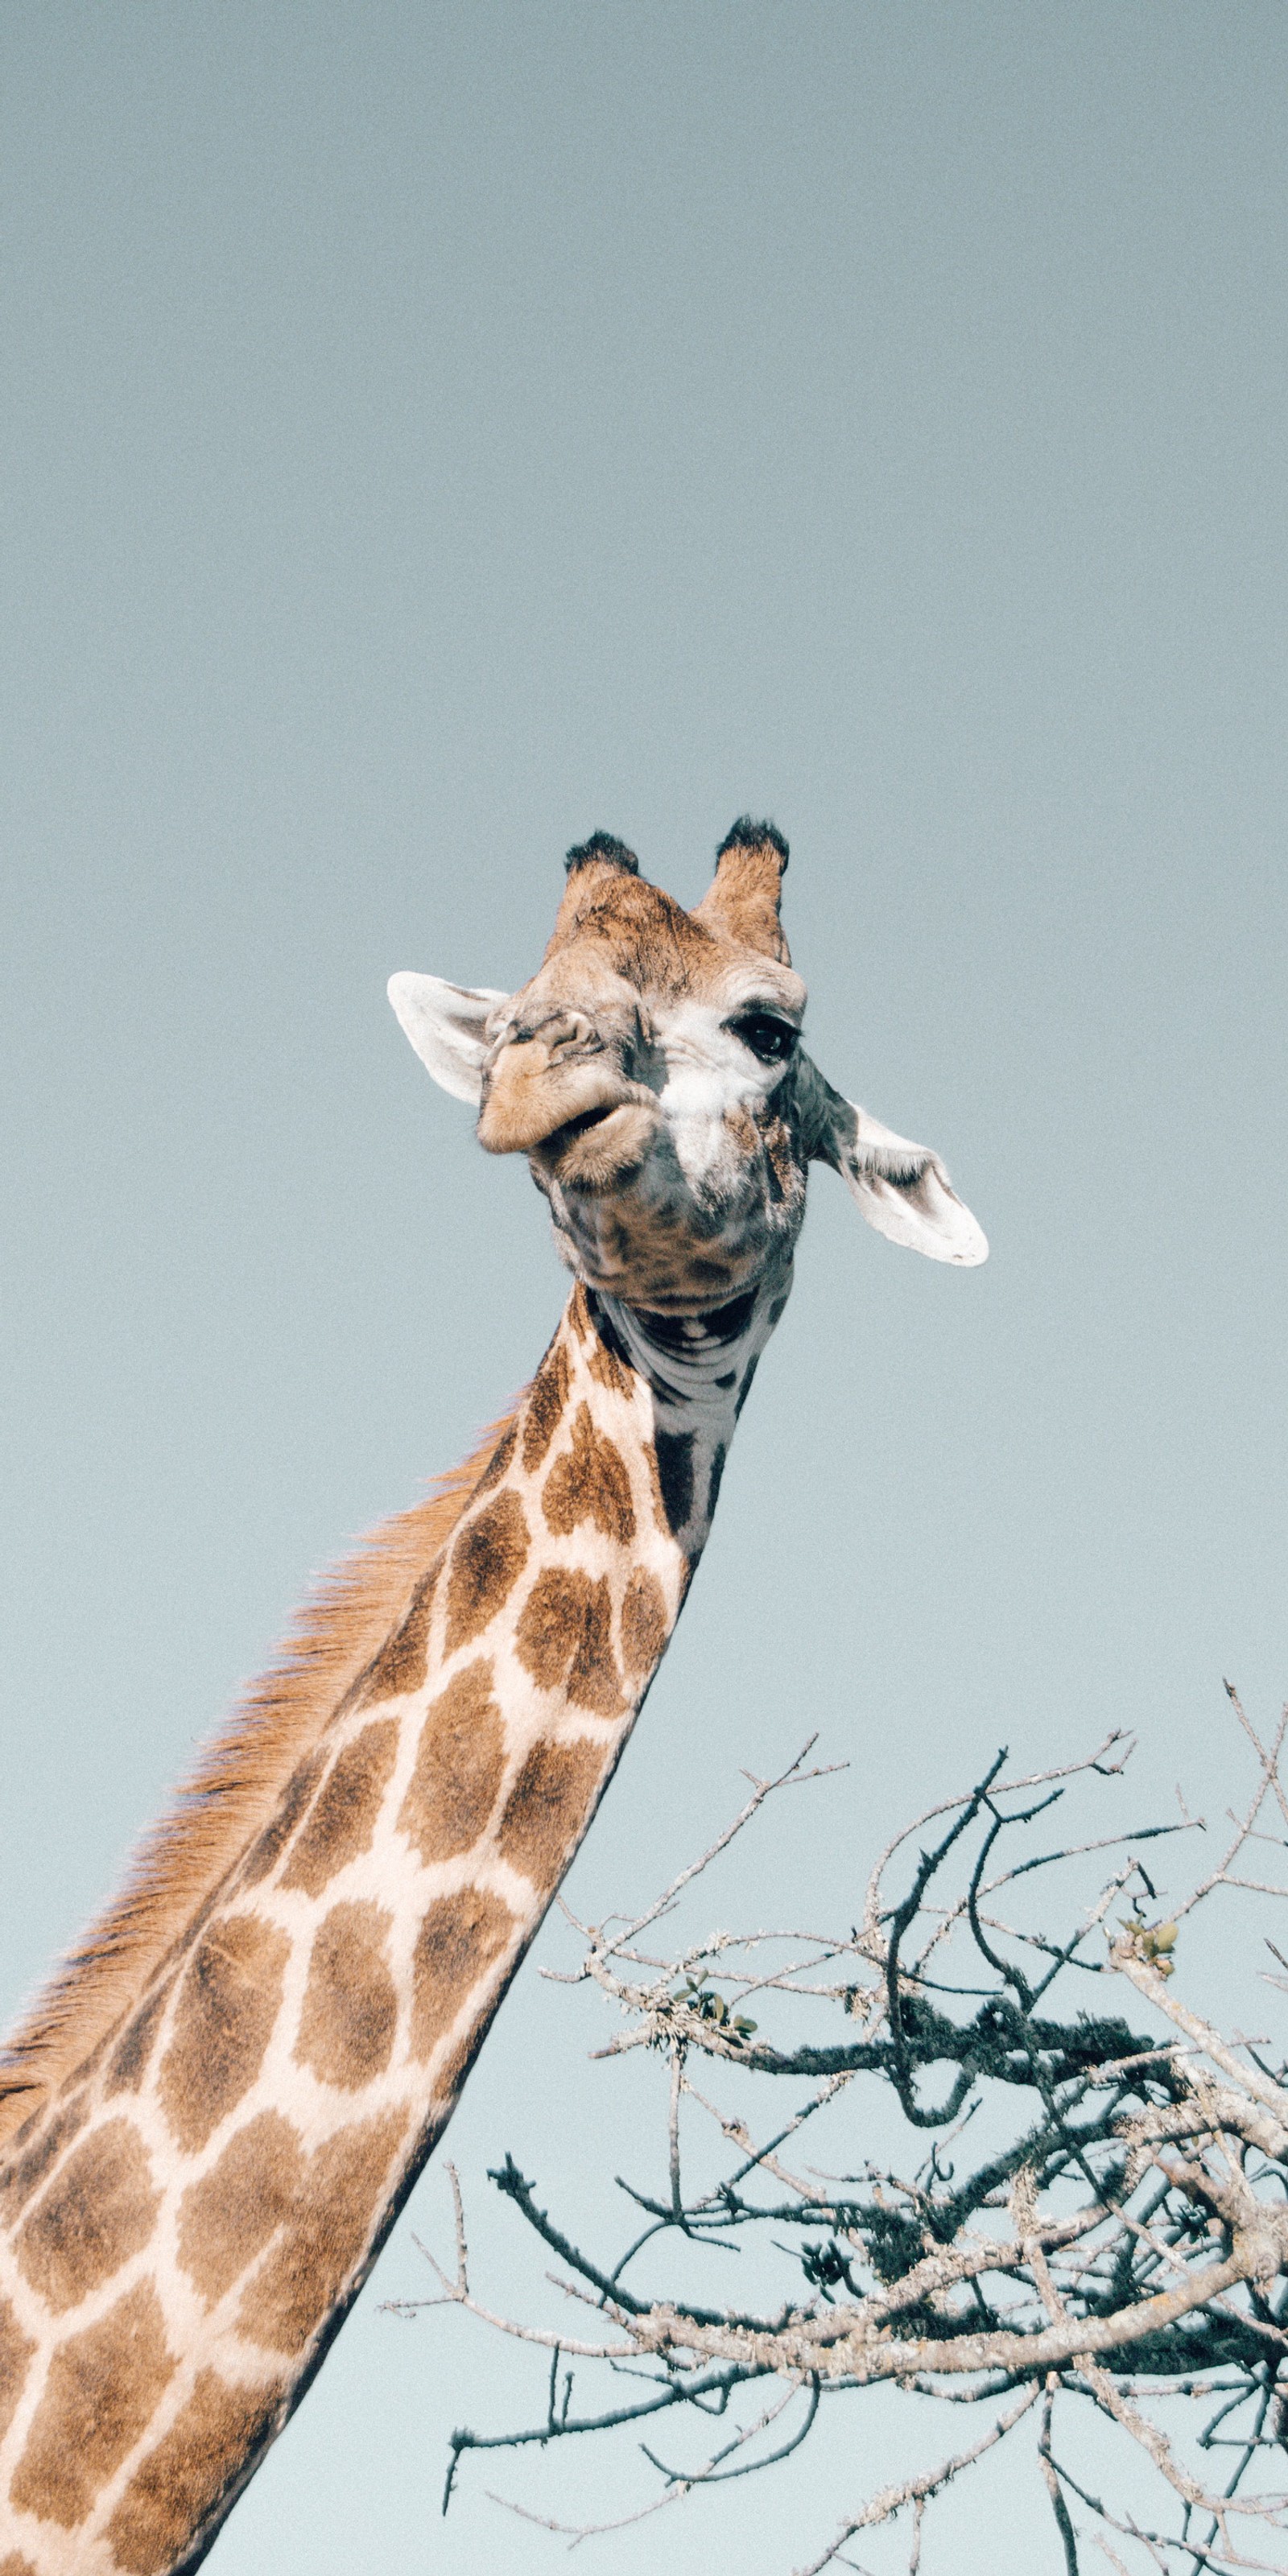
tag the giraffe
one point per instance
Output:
(211, 2119)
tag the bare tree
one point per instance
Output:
(1100, 2222)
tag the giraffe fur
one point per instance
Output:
(218, 2111)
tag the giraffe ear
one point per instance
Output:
(447, 1025)
(902, 1189)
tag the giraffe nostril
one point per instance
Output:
(564, 1033)
(574, 1035)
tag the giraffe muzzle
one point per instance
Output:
(575, 1112)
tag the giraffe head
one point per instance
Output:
(652, 1072)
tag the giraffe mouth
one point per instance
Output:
(599, 1145)
(572, 1128)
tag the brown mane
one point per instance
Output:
(230, 1795)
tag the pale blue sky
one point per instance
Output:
(432, 432)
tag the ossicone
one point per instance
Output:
(610, 852)
(746, 835)
(744, 900)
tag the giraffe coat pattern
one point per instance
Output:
(205, 2224)
(215, 2118)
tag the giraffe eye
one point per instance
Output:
(769, 1038)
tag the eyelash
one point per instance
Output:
(769, 1039)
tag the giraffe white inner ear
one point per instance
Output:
(901, 1188)
(446, 1024)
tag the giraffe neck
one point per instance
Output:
(187, 2223)
(699, 1370)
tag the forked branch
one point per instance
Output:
(1117, 2245)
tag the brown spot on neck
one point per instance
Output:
(547, 1399)
(100, 2395)
(343, 1820)
(301, 2279)
(589, 1483)
(499, 1462)
(228, 2003)
(606, 1365)
(578, 1315)
(400, 1664)
(176, 2487)
(26, 2172)
(644, 1622)
(269, 1846)
(459, 1762)
(549, 1807)
(227, 2218)
(459, 1939)
(488, 1556)
(565, 1639)
(130, 2057)
(350, 2009)
(98, 2211)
